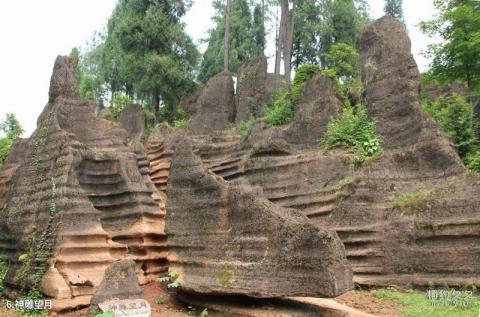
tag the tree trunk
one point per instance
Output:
(278, 37)
(227, 34)
(156, 107)
(287, 53)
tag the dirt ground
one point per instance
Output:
(366, 302)
(170, 307)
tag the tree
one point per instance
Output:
(226, 43)
(12, 130)
(147, 53)
(457, 57)
(258, 29)
(394, 9)
(320, 24)
(11, 127)
(242, 45)
(342, 58)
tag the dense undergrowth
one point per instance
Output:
(354, 130)
(455, 116)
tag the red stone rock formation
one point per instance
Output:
(80, 199)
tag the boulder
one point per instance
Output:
(318, 103)
(251, 89)
(215, 104)
(224, 238)
(119, 282)
(392, 82)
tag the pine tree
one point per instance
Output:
(394, 8)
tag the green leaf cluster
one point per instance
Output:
(353, 129)
(321, 24)
(457, 56)
(245, 126)
(120, 102)
(12, 129)
(394, 9)
(414, 201)
(302, 74)
(280, 110)
(455, 116)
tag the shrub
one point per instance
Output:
(414, 201)
(302, 74)
(171, 279)
(180, 123)
(473, 161)
(353, 129)
(120, 101)
(454, 114)
(244, 126)
(5, 145)
(280, 109)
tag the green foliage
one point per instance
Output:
(353, 129)
(280, 110)
(417, 304)
(203, 313)
(473, 161)
(414, 201)
(146, 53)
(39, 248)
(5, 145)
(159, 300)
(180, 123)
(120, 101)
(246, 40)
(245, 126)
(171, 279)
(454, 114)
(394, 9)
(457, 56)
(11, 127)
(342, 58)
(321, 24)
(303, 73)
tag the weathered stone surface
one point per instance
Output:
(215, 104)
(189, 103)
(392, 82)
(159, 148)
(319, 102)
(385, 245)
(82, 188)
(132, 119)
(119, 282)
(251, 89)
(225, 238)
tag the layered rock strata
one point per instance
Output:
(80, 199)
(225, 238)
